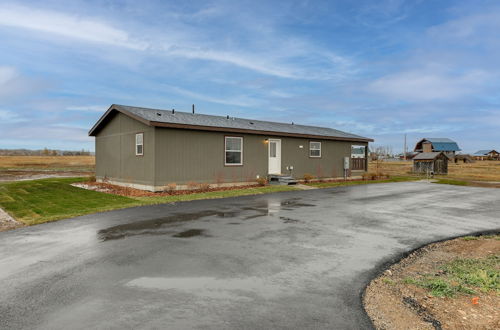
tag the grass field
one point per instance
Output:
(53, 163)
(37, 201)
(477, 171)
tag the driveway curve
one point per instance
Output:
(286, 260)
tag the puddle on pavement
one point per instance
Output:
(211, 287)
(190, 233)
(158, 226)
(272, 207)
(163, 226)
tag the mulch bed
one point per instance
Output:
(132, 192)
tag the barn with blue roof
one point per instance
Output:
(445, 145)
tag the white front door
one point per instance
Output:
(274, 152)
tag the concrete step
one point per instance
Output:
(281, 179)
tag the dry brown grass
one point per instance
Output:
(477, 171)
(47, 162)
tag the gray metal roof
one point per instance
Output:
(483, 152)
(187, 118)
(427, 155)
(440, 144)
(440, 140)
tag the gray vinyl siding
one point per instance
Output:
(198, 156)
(115, 151)
(184, 156)
(330, 164)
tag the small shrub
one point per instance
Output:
(308, 177)
(171, 187)
(204, 187)
(191, 185)
(262, 181)
(92, 178)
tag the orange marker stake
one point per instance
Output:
(475, 300)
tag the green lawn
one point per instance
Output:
(38, 201)
(353, 183)
(45, 200)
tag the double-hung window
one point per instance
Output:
(139, 144)
(233, 146)
(315, 149)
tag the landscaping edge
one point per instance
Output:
(385, 264)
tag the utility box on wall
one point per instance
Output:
(347, 167)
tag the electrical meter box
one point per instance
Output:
(346, 163)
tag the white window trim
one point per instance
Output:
(240, 151)
(139, 144)
(310, 149)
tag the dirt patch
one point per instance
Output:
(131, 192)
(7, 222)
(396, 300)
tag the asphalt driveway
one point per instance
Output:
(287, 260)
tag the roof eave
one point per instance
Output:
(251, 131)
(114, 107)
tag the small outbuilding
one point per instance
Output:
(489, 154)
(445, 145)
(430, 163)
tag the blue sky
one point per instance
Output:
(375, 68)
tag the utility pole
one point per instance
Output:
(404, 149)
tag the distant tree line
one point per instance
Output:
(44, 152)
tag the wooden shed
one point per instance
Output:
(431, 163)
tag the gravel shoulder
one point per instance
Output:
(7, 222)
(394, 300)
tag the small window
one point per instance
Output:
(314, 149)
(358, 151)
(233, 150)
(139, 144)
(272, 149)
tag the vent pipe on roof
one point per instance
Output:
(193, 109)
(173, 111)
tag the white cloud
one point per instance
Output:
(13, 84)
(88, 108)
(7, 74)
(241, 101)
(66, 25)
(8, 117)
(271, 55)
(426, 85)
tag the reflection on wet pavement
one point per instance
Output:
(153, 227)
(210, 287)
(163, 226)
(190, 233)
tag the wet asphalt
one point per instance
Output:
(291, 260)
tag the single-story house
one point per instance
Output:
(430, 163)
(151, 148)
(486, 155)
(449, 147)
